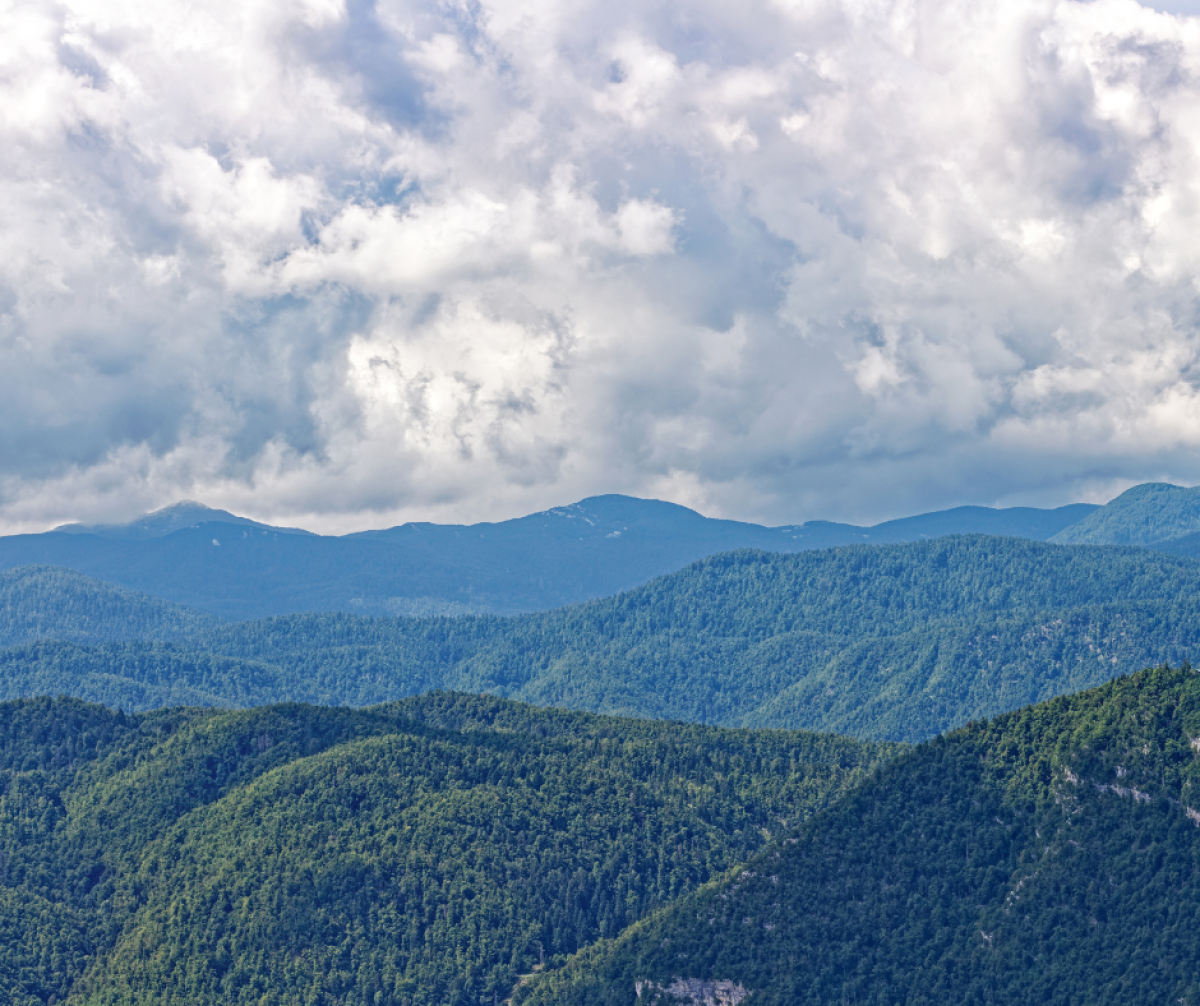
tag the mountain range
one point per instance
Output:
(895, 641)
(292, 808)
(168, 520)
(236, 568)
(455, 850)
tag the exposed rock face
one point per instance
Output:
(693, 992)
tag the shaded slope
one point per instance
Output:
(141, 676)
(372, 856)
(1187, 546)
(1050, 856)
(1016, 522)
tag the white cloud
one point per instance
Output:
(354, 263)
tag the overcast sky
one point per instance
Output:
(348, 264)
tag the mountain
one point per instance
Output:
(43, 602)
(237, 569)
(184, 514)
(1187, 545)
(1015, 522)
(1049, 856)
(1151, 515)
(898, 642)
(429, 852)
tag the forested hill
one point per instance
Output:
(1051, 856)
(1156, 515)
(45, 602)
(897, 642)
(238, 569)
(422, 854)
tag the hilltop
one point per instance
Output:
(1154, 515)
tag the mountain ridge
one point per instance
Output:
(894, 641)
(426, 852)
(49, 602)
(564, 555)
(1048, 855)
(1152, 515)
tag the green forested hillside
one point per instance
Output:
(913, 684)
(1151, 514)
(899, 642)
(46, 602)
(427, 852)
(1051, 856)
(140, 676)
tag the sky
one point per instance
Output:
(347, 264)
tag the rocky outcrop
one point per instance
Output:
(692, 992)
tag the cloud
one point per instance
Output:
(353, 263)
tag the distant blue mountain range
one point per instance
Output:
(236, 568)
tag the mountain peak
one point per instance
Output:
(169, 519)
(1150, 489)
(182, 505)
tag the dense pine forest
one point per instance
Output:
(1048, 856)
(47, 602)
(894, 642)
(459, 849)
(427, 852)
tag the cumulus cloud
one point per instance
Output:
(349, 263)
